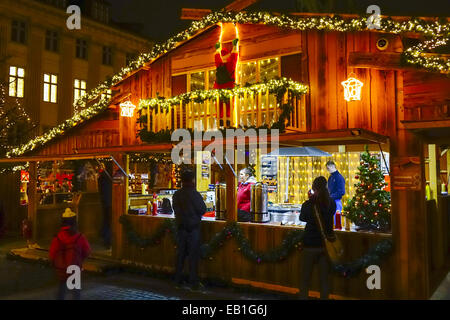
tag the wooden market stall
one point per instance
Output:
(172, 88)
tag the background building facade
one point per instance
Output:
(48, 66)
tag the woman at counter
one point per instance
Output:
(313, 246)
(246, 179)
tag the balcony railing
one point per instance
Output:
(258, 105)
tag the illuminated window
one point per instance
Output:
(211, 79)
(107, 94)
(198, 81)
(50, 88)
(261, 70)
(16, 82)
(79, 89)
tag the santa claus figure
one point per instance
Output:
(226, 62)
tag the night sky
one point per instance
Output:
(161, 19)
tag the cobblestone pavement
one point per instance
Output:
(22, 280)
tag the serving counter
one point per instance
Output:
(229, 264)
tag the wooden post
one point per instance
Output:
(119, 204)
(33, 199)
(409, 224)
(231, 192)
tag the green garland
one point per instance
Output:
(275, 86)
(291, 242)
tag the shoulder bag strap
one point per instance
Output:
(319, 221)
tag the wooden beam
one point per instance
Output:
(194, 14)
(380, 60)
(426, 124)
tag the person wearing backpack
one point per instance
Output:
(189, 208)
(68, 247)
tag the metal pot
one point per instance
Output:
(221, 201)
(258, 203)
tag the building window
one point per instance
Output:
(50, 87)
(260, 70)
(79, 89)
(51, 40)
(19, 31)
(107, 56)
(107, 94)
(81, 50)
(16, 82)
(197, 81)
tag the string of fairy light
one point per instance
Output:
(436, 32)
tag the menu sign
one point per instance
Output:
(269, 172)
(406, 174)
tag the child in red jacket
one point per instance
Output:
(68, 247)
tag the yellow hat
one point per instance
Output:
(69, 213)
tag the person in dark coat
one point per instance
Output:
(105, 189)
(189, 208)
(313, 246)
(336, 185)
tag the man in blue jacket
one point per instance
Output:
(336, 185)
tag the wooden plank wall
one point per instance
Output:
(327, 54)
(427, 95)
(228, 262)
(100, 133)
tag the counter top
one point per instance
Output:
(266, 224)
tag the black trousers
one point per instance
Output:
(311, 257)
(188, 243)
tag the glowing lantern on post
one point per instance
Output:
(352, 89)
(127, 109)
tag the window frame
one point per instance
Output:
(51, 85)
(19, 31)
(79, 90)
(107, 52)
(15, 82)
(81, 46)
(258, 67)
(51, 40)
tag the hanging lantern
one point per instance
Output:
(127, 109)
(352, 88)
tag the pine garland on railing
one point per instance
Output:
(292, 241)
(275, 86)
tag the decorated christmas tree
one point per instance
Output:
(370, 208)
(15, 125)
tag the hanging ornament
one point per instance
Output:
(352, 88)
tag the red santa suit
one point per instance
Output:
(225, 73)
